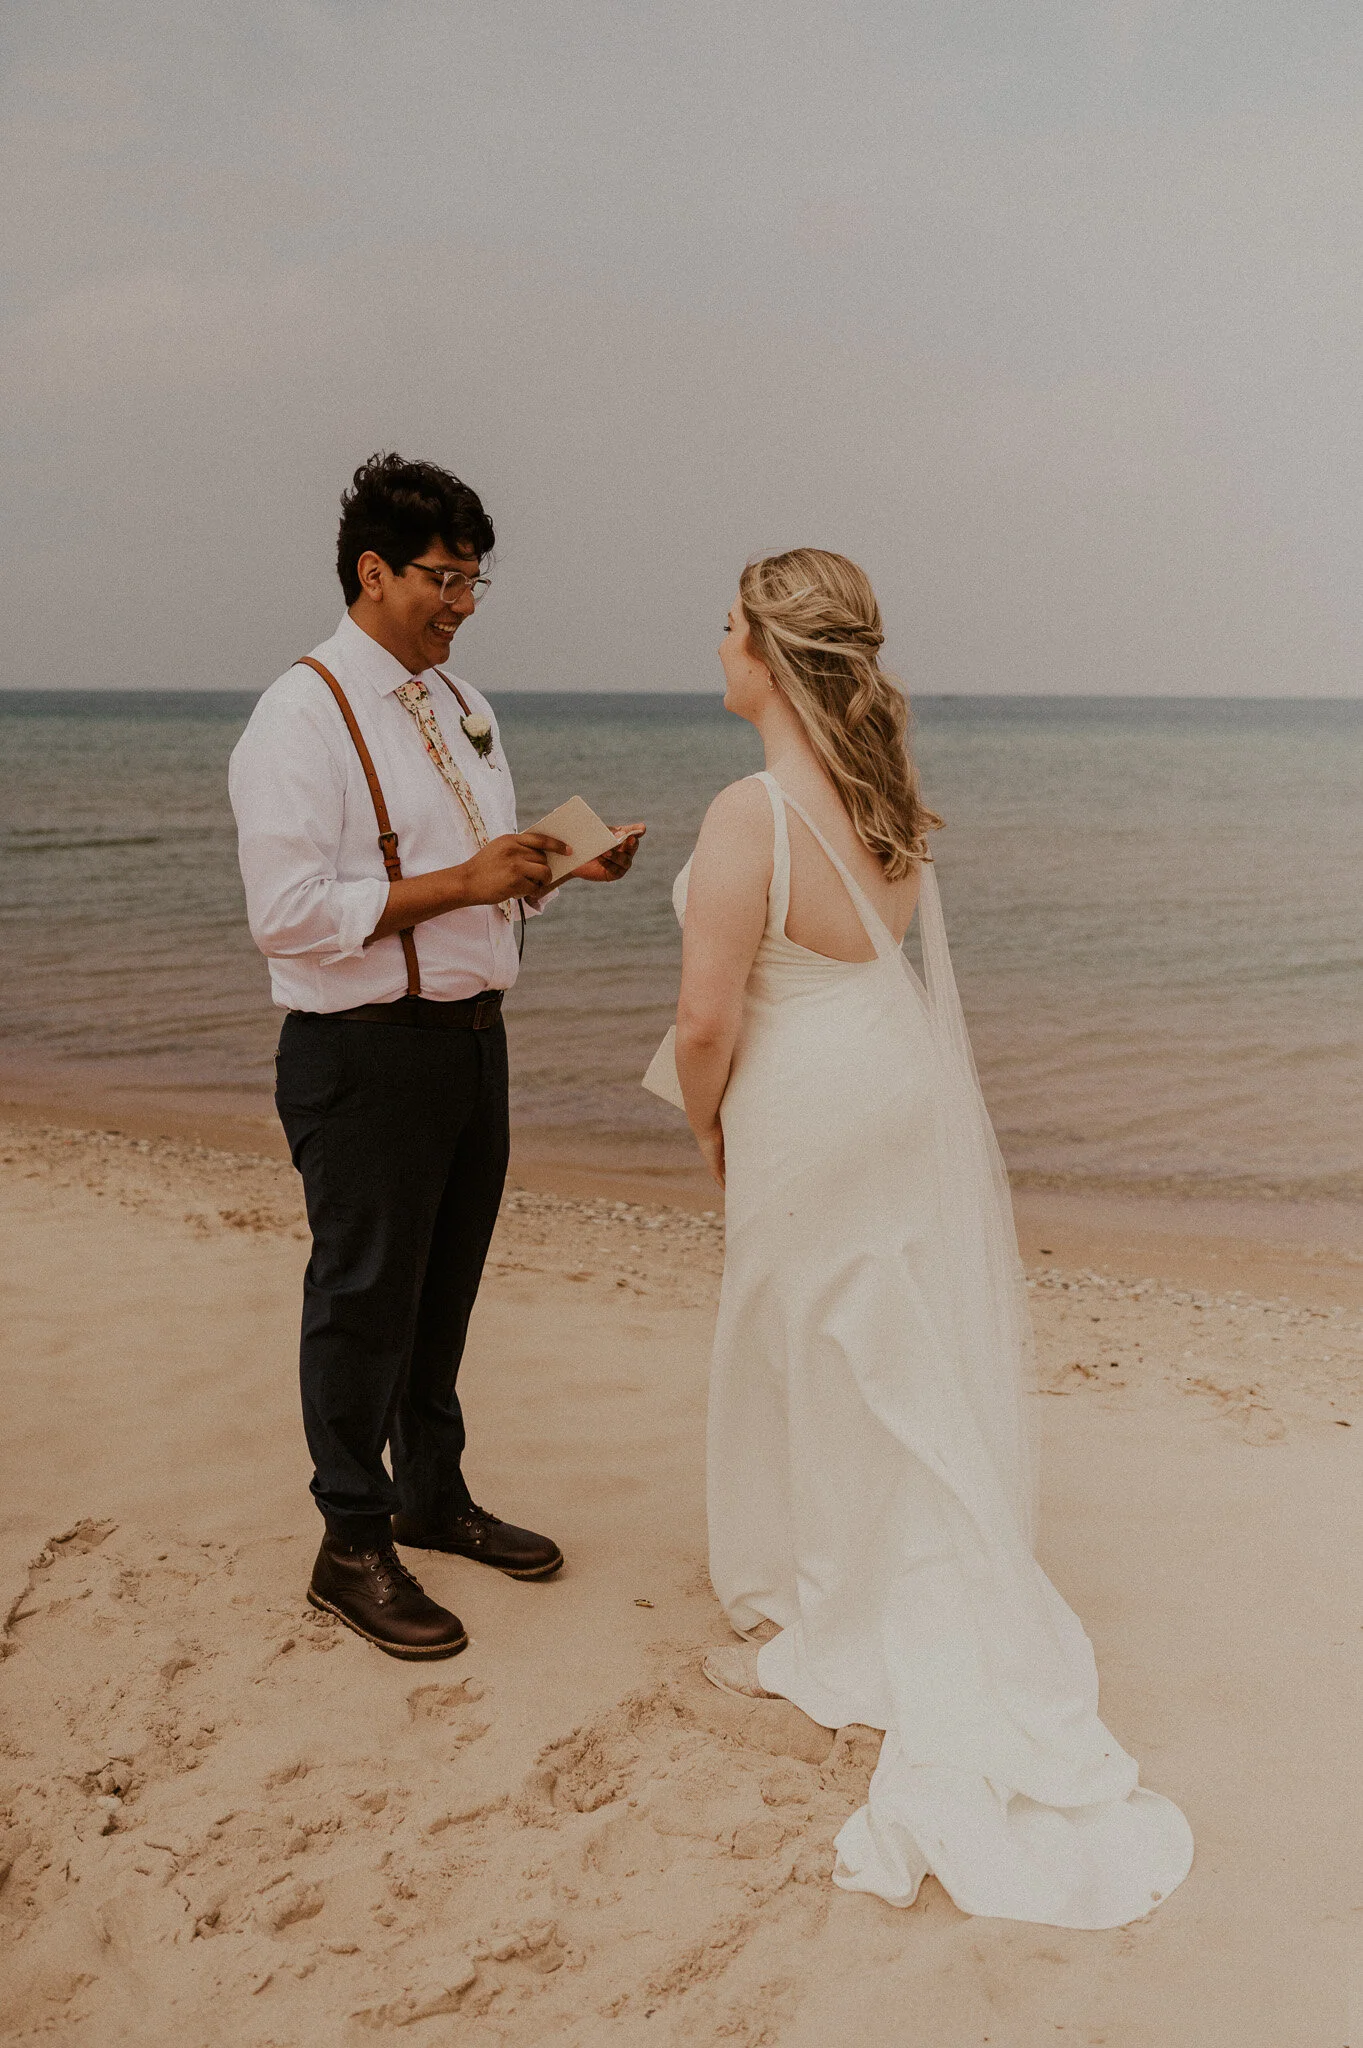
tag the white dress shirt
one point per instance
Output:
(308, 839)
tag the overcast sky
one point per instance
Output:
(1048, 313)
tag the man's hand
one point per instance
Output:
(513, 865)
(611, 866)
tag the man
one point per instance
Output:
(386, 883)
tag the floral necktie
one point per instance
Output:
(416, 698)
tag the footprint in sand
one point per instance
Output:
(1244, 1407)
(449, 1707)
(501, 1968)
(84, 1536)
(287, 1905)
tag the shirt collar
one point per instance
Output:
(364, 657)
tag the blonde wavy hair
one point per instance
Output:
(814, 622)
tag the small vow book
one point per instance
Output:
(661, 1078)
(578, 826)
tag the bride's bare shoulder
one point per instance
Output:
(731, 868)
(734, 852)
(740, 813)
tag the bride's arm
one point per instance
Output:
(726, 913)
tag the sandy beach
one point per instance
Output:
(225, 1820)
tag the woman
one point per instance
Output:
(871, 1470)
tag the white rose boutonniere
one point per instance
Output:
(479, 732)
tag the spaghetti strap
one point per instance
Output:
(778, 895)
(877, 931)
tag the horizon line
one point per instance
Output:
(941, 696)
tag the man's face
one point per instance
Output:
(413, 620)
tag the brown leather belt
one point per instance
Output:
(474, 1013)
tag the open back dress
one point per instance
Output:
(871, 1471)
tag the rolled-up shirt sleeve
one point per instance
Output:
(287, 787)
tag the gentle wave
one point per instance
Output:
(18, 844)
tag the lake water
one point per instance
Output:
(1154, 909)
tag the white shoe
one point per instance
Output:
(735, 1670)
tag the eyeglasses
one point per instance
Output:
(450, 579)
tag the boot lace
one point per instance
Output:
(390, 1573)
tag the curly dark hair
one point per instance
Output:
(397, 508)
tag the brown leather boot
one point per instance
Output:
(371, 1591)
(520, 1553)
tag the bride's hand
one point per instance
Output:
(712, 1151)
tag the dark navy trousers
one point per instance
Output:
(401, 1137)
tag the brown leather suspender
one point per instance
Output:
(458, 693)
(388, 838)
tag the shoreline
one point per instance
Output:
(1301, 1249)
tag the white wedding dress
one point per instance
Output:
(871, 1470)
